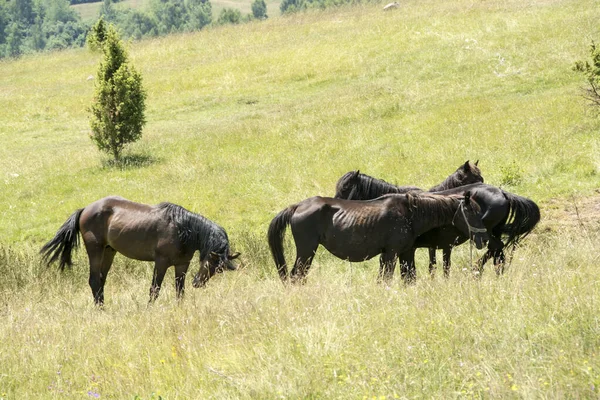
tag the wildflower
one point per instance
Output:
(91, 393)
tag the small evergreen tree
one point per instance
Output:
(117, 112)
(259, 9)
(97, 35)
(592, 74)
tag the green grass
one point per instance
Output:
(245, 120)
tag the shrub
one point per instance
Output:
(119, 102)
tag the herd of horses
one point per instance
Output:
(366, 217)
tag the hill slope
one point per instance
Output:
(245, 120)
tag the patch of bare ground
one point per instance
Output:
(571, 214)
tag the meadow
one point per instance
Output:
(246, 120)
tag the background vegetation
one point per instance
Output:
(245, 120)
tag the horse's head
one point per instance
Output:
(216, 263)
(468, 173)
(346, 185)
(468, 220)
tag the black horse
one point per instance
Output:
(167, 234)
(360, 230)
(505, 214)
(356, 186)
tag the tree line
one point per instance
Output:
(28, 26)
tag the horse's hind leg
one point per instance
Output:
(499, 261)
(160, 268)
(305, 252)
(101, 259)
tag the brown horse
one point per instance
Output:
(359, 230)
(167, 234)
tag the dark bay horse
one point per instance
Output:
(167, 234)
(360, 230)
(505, 214)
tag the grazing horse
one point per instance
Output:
(167, 234)
(360, 230)
(504, 213)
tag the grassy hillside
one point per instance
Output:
(245, 120)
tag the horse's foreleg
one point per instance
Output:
(408, 269)
(160, 268)
(447, 253)
(432, 261)
(387, 265)
(180, 272)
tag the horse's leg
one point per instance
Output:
(499, 261)
(495, 245)
(305, 251)
(387, 265)
(408, 269)
(101, 259)
(180, 272)
(160, 268)
(447, 254)
(432, 262)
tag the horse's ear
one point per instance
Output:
(233, 256)
(466, 166)
(356, 173)
(476, 162)
(467, 196)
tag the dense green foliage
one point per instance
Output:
(117, 113)
(259, 9)
(27, 26)
(245, 120)
(229, 16)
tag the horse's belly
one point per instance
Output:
(136, 246)
(351, 249)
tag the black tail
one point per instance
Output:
(63, 243)
(523, 217)
(275, 235)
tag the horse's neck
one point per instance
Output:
(427, 216)
(373, 188)
(449, 183)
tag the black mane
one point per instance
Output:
(195, 230)
(368, 187)
(465, 175)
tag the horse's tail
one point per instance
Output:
(275, 235)
(63, 243)
(523, 216)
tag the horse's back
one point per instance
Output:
(133, 229)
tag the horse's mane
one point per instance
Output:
(371, 188)
(195, 230)
(437, 207)
(460, 178)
